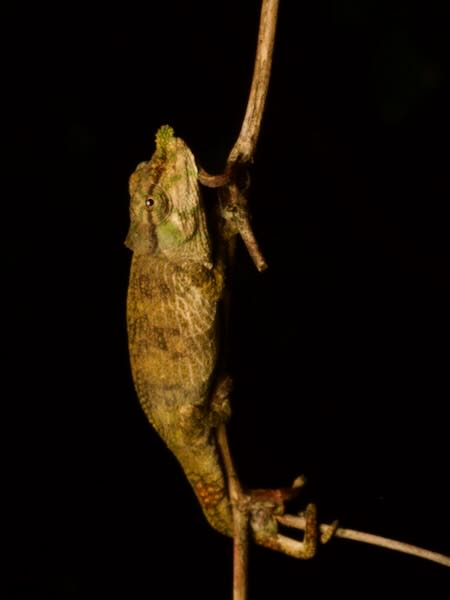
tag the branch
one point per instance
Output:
(233, 201)
(368, 538)
(245, 145)
(235, 214)
(244, 148)
(239, 505)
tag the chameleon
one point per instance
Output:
(173, 316)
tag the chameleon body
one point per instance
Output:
(172, 316)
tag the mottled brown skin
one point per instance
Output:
(172, 313)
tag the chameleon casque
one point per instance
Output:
(172, 314)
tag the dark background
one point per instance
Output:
(340, 350)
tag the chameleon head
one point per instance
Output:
(166, 212)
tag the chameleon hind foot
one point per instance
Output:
(264, 511)
(266, 533)
(267, 512)
(265, 530)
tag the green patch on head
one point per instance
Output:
(170, 235)
(164, 136)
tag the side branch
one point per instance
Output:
(369, 538)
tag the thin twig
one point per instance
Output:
(369, 538)
(244, 148)
(240, 519)
(242, 152)
(245, 145)
(233, 201)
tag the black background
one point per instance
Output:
(340, 350)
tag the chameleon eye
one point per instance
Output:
(158, 203)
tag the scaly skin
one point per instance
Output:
(172, 316)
